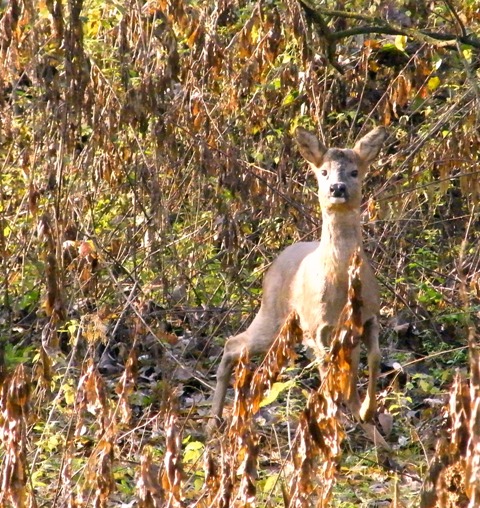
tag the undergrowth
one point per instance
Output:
(148, 177)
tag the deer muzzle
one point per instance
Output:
(338, 192)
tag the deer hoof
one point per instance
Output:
(368, 410)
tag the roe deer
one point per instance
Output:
(311, 278)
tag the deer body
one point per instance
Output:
(311, 278)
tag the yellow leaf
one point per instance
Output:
(467, 54)
(275, 391)
(373, 66)
(401, 42)
(193, 452)
(270, 483)
(433, 83)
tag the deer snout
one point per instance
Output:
(338, 192)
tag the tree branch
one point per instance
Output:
(460, 24)
(380, 26)
(434, 38)
(325, 32)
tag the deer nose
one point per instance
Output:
(338, 190)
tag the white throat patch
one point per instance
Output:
(337, 201)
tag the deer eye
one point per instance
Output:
(354, 173)
(323, 172)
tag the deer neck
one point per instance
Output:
(341, 237)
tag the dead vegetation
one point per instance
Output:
(147, 178)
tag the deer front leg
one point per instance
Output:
(256, 339)
(370, 338)
(231, 354)
(353, 400)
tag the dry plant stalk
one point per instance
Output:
(473, 450)
(14, 398)
(54, 306)
(150, 493)
(125, 387)
(99, 472)
(98, 482)
(213, 483)
(92, 399)
(242, 437)
(172, 473)
(160, 486)
(453, 480)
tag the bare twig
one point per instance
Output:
(460, 24)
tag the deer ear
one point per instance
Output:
(368, 147)
(310, 147)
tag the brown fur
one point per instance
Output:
(311, 278)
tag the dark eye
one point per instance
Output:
(354, 173)
(324, 172)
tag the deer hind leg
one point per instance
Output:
(370, 338)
